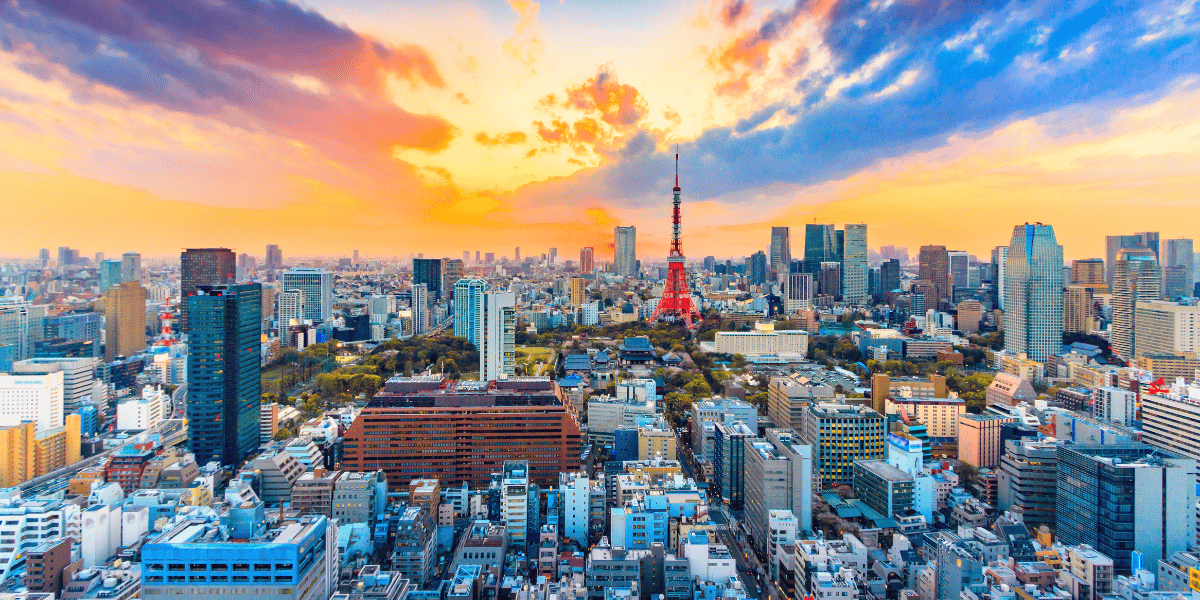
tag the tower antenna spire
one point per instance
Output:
(676, 166)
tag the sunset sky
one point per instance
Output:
(441, 126)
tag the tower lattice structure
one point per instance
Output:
(676, 301)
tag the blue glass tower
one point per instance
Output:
(224, 389)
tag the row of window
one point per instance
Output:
(218, 567)
(219, 579)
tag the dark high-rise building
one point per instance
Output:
(781, 250)
(1122, 498)
(829, 283)
(223, 371)
(933, 265)
(429, 272)
(889, 276)
(425, 427)
(758, 268)
(203, 266)
(820, 243)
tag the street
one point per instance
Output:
(752, 573)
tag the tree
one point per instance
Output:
(284, 434)
(699, 388)
(759, 400)
(311, 406)
(966, 473)
(738, 362)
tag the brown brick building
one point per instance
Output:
(456, 431)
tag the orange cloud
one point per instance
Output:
(501, 139)
(620, 105)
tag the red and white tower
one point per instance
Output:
(676, 301)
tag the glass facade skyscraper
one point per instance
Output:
(1125, 498)
(429, 272)
(854, 264)
(223, 372)
(625, 251)
(781, 250)
(1033, 289)
(203, 266)
(819, 243)
(468, 309)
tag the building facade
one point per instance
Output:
(464, 431)
(1033, 314)
(224, 386)
(317, 286)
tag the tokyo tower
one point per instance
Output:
(676, 301)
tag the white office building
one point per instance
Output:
(420, 308)
(1115, 405)
(381, 306)
(289, 309)
(1166, 328)
(32, 397)
(142, 413)
(317, 285)
(497, 342)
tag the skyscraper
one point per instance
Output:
(131, 266)
(1033, 317)
(497, 341)
(429, 272)
(781, 251)
(587, 260)
(757, 268)
(517, 254)
(1115, 243)
(798, 292)
(820, 243)
(1177, 268)
(889, 275)
(289, 306)
(468, 309)
(625, 251)
(452, 271)
(1135, 279)
(999, 265)
(1077, 309)
(223, 371)
(274, 258)
(854, 265)
(420, 308)
(317, 285)
(829, 281)
(44, 257)
(933, 265)
(125, 320)
(203, 266)
(110, 274)
(959, 263)
(553, 256)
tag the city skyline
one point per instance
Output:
(528, 125)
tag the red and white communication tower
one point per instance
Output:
(676, 301)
